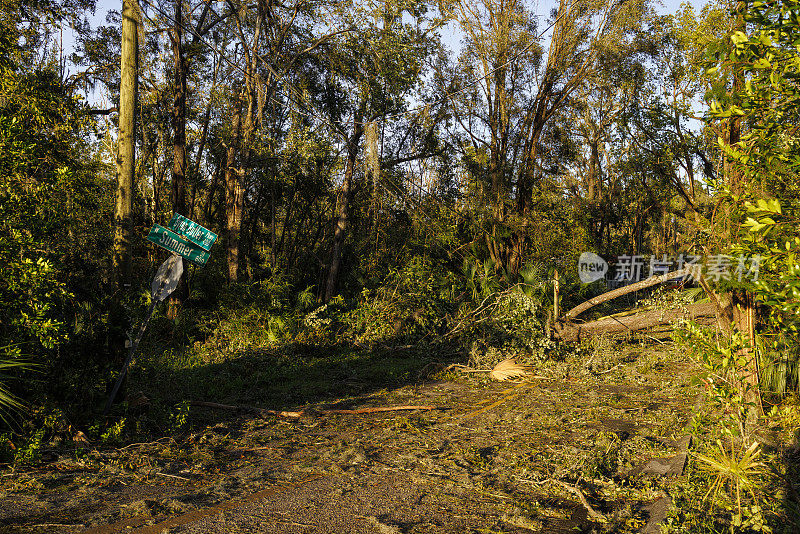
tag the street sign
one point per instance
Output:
(171, 241)
(169, 273)
(167, 277)
(200, 236)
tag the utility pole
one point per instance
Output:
(126, 161)
(123, 222)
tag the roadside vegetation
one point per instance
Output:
(391, 213)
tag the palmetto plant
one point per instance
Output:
(9, 403)
(739, 471)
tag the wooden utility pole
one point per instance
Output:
(123, 222)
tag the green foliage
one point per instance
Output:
(45, 423)
(409, 305)
(510, 319)
(9, 403)
(732, 476)
(751, 73)
(725, 363)
(50, 226)
(769, 59)
(180, 417)
(763, 202)
(113, 434)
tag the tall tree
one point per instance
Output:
(372, 73)
(179, 140)
(581, 32)
(515, 85)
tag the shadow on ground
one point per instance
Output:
(291, 376)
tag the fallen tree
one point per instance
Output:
(615, 293)
(648, 320)
(702, 311)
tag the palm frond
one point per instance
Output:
(509, 369)
(9, 403)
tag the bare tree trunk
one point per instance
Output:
(212, 188)
(158, 177)
(179, 116)
(126, 156)
(179, 145)
(234, 193)
(345, 198)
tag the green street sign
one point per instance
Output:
(200, 236)
(165, 238)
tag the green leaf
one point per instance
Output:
(738, 37)
(762, 63)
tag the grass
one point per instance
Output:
(277, 378)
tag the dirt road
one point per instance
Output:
(571, 449)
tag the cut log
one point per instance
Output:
(634, 323)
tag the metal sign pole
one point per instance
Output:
(193, 242)
(129, 358)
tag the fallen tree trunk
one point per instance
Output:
(610, 295)
(635, 323)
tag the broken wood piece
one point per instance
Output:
(593, 514)
(159, 473)
(301, 413)
(56, 525)
(378, 409)
(244, 408)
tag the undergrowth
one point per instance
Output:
(742, 473)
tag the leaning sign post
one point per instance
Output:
(186, 240)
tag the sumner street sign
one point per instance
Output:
(173, 242)
(200, 236)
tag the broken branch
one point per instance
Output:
(301, 413)
(593, 514)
